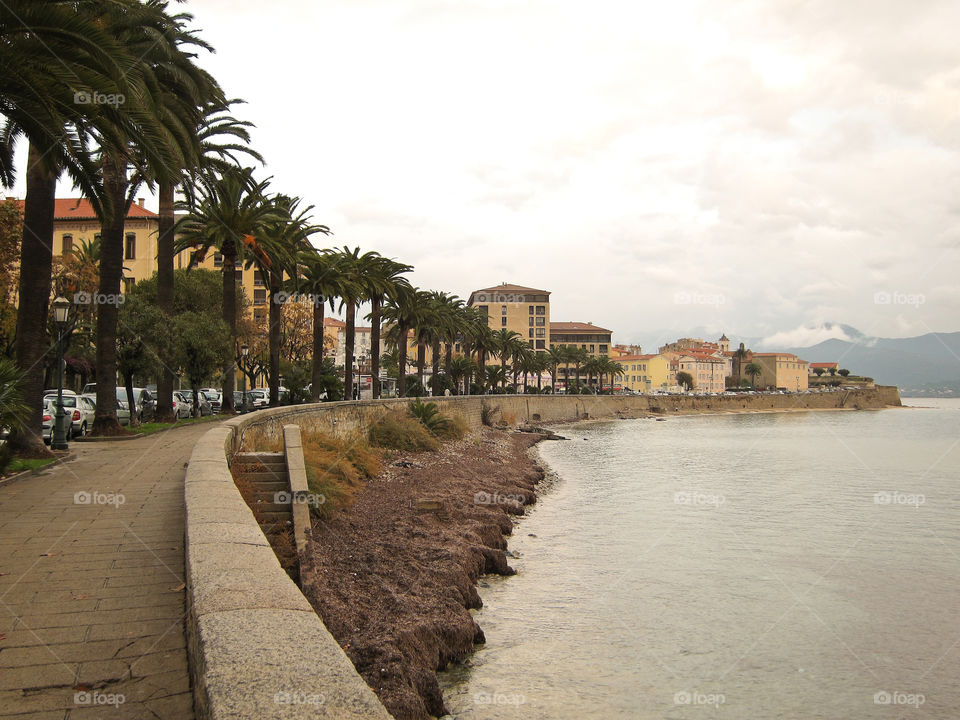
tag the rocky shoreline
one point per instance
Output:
(396, 573)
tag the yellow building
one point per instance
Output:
(646, 373)
(524, 310)
(75, 223)
(253, 285)
(781, 370)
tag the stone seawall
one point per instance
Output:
(344, 418)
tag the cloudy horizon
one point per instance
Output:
(753, 168)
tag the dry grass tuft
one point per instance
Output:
(337, 468)
(397, 430)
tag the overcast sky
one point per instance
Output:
(756, 167)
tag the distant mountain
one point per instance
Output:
(925, 365)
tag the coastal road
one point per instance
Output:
(92, 597)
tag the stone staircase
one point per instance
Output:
(267, 473)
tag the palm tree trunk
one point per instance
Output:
(36, 256)
(375, 303)
(111, 275)
(348, 354)
(317, 366)
(131, 401)
(273, 337)
(165, 255)
(421, 361)
(229, 301)
(402, 329)
(435, 370)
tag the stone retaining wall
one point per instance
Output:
(257, 648)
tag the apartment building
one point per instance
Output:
(646, 373)
(76, 224)
(524, 310)
(781, 370)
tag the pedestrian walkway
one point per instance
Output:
(92, 597)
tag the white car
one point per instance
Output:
(79, 408)
(182, 404)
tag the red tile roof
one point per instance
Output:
(825, 365)
(81, 209)
(333, 322)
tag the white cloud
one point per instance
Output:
(805, 336)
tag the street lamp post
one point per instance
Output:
(61, 310)
(244, 351)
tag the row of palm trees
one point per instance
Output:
(109, 93)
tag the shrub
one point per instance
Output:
(399, 431)
(428, 414)
(487, 413)
(336, 468)
(454, 428)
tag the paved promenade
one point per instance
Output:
(92, 584)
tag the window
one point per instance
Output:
(603, 348)
(541, 322)
(530, 332)
(531, 309)
(541, 344)
(503, 309)
(593, 348)
(503, 321)
(257, 278)
(128, 284)
(259, 297)
(130, 247)
(238, 275)
(193, 260)
(259, 314)
(218, 260)
(541, 332)
(483, 309)
(67, 245)
(541, 309)
(530, 343)
(531, 322)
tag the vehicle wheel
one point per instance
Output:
(83, 429)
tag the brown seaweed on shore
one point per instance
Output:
(397, 571)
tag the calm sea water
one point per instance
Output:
(802, 565)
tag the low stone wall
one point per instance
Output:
(265, 428)
(257, 648)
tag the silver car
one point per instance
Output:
(81, 411)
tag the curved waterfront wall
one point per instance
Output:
(257, 648)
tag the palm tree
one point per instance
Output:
(508, 343)
(211, 155)
(593, 366)
(156, 150)
(384, 280)
(402, 312)
(753, 370)
(274, 251)
(460, 369)
(554, 358)
(357, 269)
(740, 356)
(320, 278)
(67, 50)
(495, 376)
(229, 211)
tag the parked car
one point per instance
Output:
(258, 398)
(145, 406)
(123, 410)
(212, 397)
(182, 404)
(78, 408)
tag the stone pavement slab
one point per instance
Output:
(92, 597)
